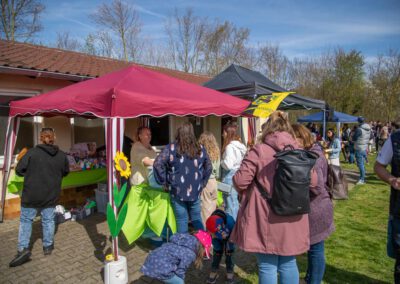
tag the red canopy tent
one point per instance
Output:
(128, 93)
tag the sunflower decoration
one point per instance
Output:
(122, 165)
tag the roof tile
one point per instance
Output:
(41, 58)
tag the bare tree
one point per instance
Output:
(90, 45)
(186, 34)
(106, 46)
(20, 19)
(65, 41)
(226, 44)
(274, 64)
(384, 75)
(123, 19)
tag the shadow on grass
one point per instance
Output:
(334, 275)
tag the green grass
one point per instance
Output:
(356, 251)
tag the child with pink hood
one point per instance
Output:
(170, 262)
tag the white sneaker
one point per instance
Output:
(360, 182)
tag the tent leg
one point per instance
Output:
(11, 138)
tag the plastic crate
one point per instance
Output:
(101, 201)
(102, 187)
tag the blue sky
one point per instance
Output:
(300, 27)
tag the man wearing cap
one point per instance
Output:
(390, 154)
(361, 138)
(43, 168)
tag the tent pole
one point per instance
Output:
(324, 125)
(11, 138)
(114, 132)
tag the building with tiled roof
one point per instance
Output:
(28, 70)
(42, 61)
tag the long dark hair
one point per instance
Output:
(230, 128)
(186, 142)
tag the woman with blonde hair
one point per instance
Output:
(321, 208)
(275, 239)
(233, 151)
(210, 192)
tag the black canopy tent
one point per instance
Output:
(248, 84)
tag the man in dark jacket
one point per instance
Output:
(43, 167)
(390, 155)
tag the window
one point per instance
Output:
(26, 133)
(159, 130)
(198, 125)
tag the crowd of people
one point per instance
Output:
(188, 169)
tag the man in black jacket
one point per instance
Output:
(43, 167)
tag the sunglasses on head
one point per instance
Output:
(47, 129)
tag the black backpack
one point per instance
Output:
(291, 189)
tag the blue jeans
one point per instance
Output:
(220, 247)
(174, 280)
(316, 263)
(231, 201)
(393, 245)
(25, 226)
(361, 156)
(182, 211)
(269, 265)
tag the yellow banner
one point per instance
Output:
(263, 106)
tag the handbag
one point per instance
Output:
(337, 183)
(225, 188)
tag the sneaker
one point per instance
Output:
(229, 278)
(360, 182)
(212, 280)
(21, 257)
(47, 250)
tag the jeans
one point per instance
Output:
(361, 155)
(231, 201)
(174, 280)
(25, 226)
(182, 211)
(269, 265)
(394, 245)
(316, 263)
(220, 247)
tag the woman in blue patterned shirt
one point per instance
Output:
(183, 168)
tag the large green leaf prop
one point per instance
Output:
(115, 223)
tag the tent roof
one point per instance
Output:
(131, 92)
(337, 117)
(245, 83)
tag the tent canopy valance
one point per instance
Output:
(248, 84)
(337, 117)
(128, 93)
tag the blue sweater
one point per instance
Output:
(172, 258)
(186, 177)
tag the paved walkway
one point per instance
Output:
(79, 252)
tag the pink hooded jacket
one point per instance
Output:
(258, 229)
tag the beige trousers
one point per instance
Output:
(209, 199)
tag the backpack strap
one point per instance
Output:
(220, 213)
(260, 188)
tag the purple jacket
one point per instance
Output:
(321, 214)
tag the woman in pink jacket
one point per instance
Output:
(275, 240)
